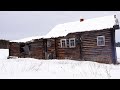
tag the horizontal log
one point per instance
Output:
(94, 39)
(102, 54)
(89, 51)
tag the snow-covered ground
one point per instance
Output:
(28, 68)
(118, 53)
(4, 53)
(32, 68)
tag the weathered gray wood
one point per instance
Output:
(86, 47)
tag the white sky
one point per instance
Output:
(21, 24)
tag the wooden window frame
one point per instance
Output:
(70, 43)
(98, 40)
(65, 43)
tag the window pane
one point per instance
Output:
(72, 42)
(101, 40)
(63, 43)
(48, 43)
(67, 42)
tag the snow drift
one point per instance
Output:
(28, 68)
(32, 68)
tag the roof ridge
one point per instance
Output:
(90, 19)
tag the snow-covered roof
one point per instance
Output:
(77, 26)
(27, 39)
(86, 25)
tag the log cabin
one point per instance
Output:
(83, 40)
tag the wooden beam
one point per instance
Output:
(114, 58)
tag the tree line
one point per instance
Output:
(4, 44)
(117, 44)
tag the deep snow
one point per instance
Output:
(31, 68)
(28, 68)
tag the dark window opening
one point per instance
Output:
(25, 49)
(49, 43)
(21, 47)
(50, 56)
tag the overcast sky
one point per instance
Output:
(21, 24)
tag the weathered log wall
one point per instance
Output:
(92, 52)
(85, 47)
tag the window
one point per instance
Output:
(67, 42)
(24, 48)
(101, 41)
(21, 47)
(72, 42)
(48, 43)
(63, 43)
